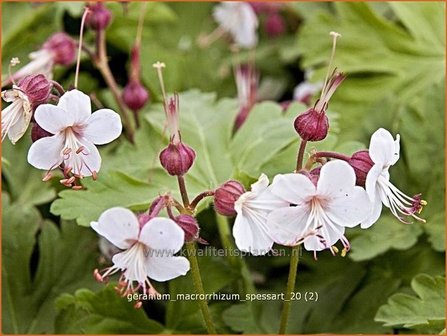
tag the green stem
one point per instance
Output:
(197, 280)
(290, 288)
(236, 261)
(183, 191)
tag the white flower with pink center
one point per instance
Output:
(250, 229)
(148, 250)
(76, 132)
(384, 152)
(326, 209)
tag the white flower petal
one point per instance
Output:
(376, 210)
(86, 161)
(293, 188)
(18, 128)
(250, 234)
(162, 234)
(330, 234)
(260, 185)
(371, 181)
(351, 209)
(77, 105)
(103, 126)
(383, 149)
(337, 178)
(119, 226)
(52, 118)
(46, 153)
(287, 225)
(166, 268)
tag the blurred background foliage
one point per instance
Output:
(393, 279)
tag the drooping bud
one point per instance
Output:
(37, 88)
(177, 159)
(135, 95)
(226, 195)
(189, 225)
(312, 125)
(99, 16)
(38, 132)
(274, 25)
(63, 48)
(362, 164)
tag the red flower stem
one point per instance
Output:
(183, 192)
(300, 155)
(102, 64)
(332, 155)
(200, 197)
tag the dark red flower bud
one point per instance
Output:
(275, 25)
(314, 175)
(312, 125)
(135, 95)
(99, 16)
(189, 225)
(177, 158)
(226, 195)
(38, 132)
(362, 164)
(63, 47)
(37, 88)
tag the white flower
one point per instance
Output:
(384, 152)
(250, 227)
(325, 209)
(42, 62)
(16, 117)
(76, 131)
(148, 250)
(239, 19)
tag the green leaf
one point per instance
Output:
(23, 181)
(109, 190)
(425, 311)
(103, 312)
(66, 259)
(409, 63)
(246, 318)
(387, 233)
(183, 315)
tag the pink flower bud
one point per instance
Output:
(226, 195)
(37, 88)
(63, 48)
(189, 225)
(362, 164)
(312, 125)
(135, 95)
(314, 175)
(99, 17)
(275, 25)
(38, 132)
(177, 158)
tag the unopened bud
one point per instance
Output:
(135, 95)
(275, 25)
(362, 164)
(63, 48)
(189, 225)
(226, 195)
(37, 88)
(312, 125)
(314, 175)
(177, 159)
(99, 17)
(38, 132)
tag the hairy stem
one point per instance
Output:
(290, 288)
(198, 285)
(200, 197)
(332, 155)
